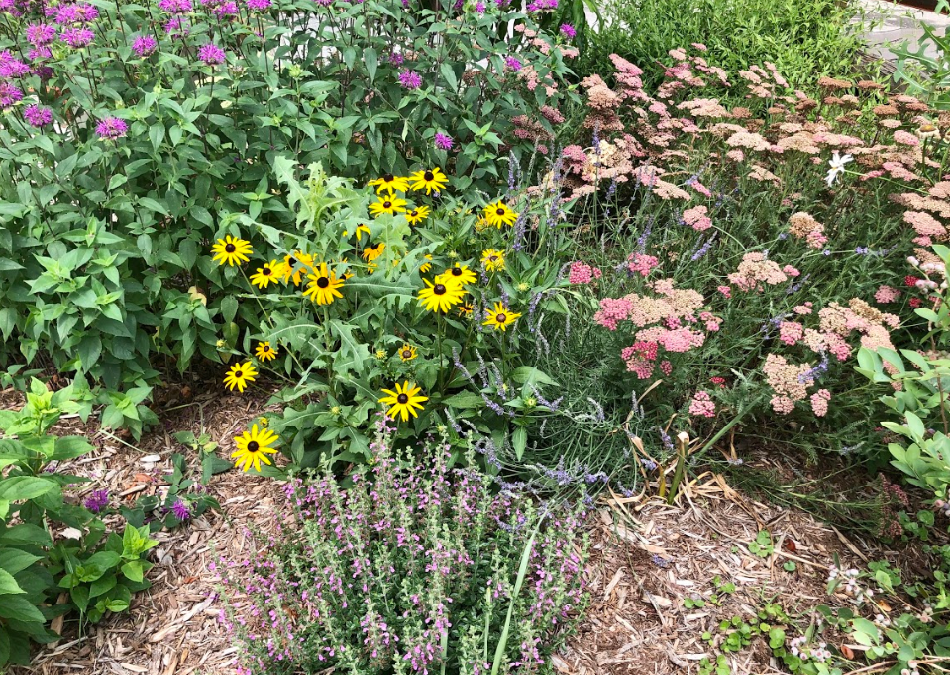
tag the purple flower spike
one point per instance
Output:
(211, 55)
(180, 510)
(112, 128)
(98, 500)
(410, 79)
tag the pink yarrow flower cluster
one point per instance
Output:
(702, 405)
(582, 273)
(642, 263)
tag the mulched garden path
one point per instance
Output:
(647, 557)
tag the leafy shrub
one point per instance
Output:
(417, 567)
(923, 70)
(136, 134)
(98, 576)
(803, 39)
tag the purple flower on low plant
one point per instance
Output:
(98, 500)
(37, 116)
(112, 128)
(180, 510)
(144, 45)
(10, 66)
(511, 63)
(77, 37)
(568, 31)
(443, 141)
(40, 34)
(410, 79)
(211, 55)
(9, 94)
(258, 5)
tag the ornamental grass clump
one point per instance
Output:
(416, 568)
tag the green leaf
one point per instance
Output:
(20, 609)
(134, 570)
(229, 308)
(519, 440)
(8, 585)
(25, 487)
(14, 560)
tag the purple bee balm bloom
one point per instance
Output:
(512, 63)
(37, 116)
(9, 95)
(177, 26)
(10, 6)
(98, 500)
(39, 53)
(10, 66)
(175, 6)
(181, 510)
(77, 37)
(144, 45)
(443, 141)
(40, 34)
(568, 31)
(410, 79)
(211, 55)
(86, 12)
(112, 128)
(258, 5)
(480, 7)
(227, 9)
(396, 59)
(65, 14)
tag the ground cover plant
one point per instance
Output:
(418, 567)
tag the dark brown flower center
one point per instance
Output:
(406, 353)
(500, 211)
(388, 178)
(230, 248)
(456, 271)
(323, 282)
(439, 289)
(293, 262)
(253, 446)
(428, 175)
(402, 399)
(387, 205)
(493, 258)
(266, 271)
(500, 318)
(238, 373)
(413, 213)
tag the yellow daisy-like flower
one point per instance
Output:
(297, 266)
(253, 447)
(417, 215)
(440, 297)
(232, 251)
(391, 183)
(404, 401)
(481, 224)
(240, 375)
(427, 265)
(323, 286)
(461, 274)
(361, 229)
(408, 353)
(387, 204)
(499, 214)
(269, 274)
(373, 251)
(499, 317)
(265, 352)
(493, 259)
(432, 179)
(466, 309)
(381, 354)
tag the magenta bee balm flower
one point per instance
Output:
(512, 63)
(410, 79)
(9, 94)
(144, 45)
(77, 37)
(568, 31)
(37, 116)
(40, 34)
(211, 55)
(443, 141)
(112, 128)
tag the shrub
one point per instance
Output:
(416, 567)
(803, 39)
(37, 562)
(136, 134)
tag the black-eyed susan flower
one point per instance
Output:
(388, 203)
(440, 297)
(381, 354)
(466, 309)
(429, 180)
(499, 214)
(297, 266)
(240, 375)
(323, 286)
(427, 265)
(404, 401)
(361, 229)
(460, 273)
(265, 352)
(373, 251)
(267, 274)
(417, 215)
(499, 317)
(232, 251)
(390, 183)
(253, 447)
(408, 353)
(493, 259)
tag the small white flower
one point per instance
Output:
(836, 163)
